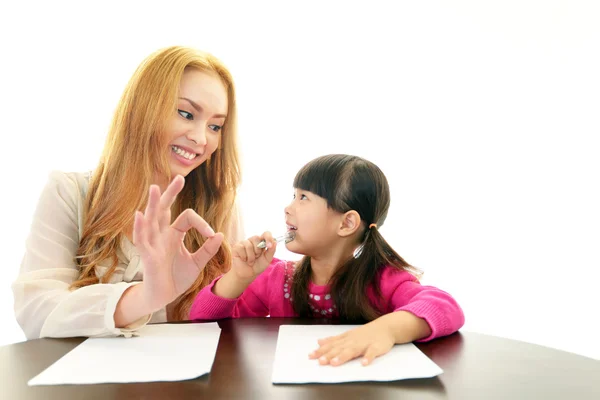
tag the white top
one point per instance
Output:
(44, 305)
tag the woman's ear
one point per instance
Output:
(350, 224)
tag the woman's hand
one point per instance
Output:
(169, 268)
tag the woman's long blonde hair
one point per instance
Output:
(136, 148)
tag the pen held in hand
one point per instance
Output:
(288, 237)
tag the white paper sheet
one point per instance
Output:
(295, 342)
(163, 352)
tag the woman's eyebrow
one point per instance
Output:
(199, 109)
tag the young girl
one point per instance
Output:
(349, 271)
(81, 274)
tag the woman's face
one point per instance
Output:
(195, 128)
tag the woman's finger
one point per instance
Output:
(170, 194)
(152, 228)
(167, 199)
(208, 250)
(139, 231)
(164, 218)
(188, 219)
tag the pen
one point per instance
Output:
(288, 237)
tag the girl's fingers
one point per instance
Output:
(372, 352)
(331, 338)
(255, 240)
(322, 350)
(269, 251)
(250, 248)
(345, 355)
(239, 251)
(328, 356)
(268, 238)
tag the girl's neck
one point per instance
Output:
(324, 267)
(321, 271)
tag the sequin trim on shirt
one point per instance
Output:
(320, 305)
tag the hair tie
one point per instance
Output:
(373, 226)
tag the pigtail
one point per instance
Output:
(359, 276)
(300, 285)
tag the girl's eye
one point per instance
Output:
(186, 115)
(215, 128)
(303, 197)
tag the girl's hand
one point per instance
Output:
(169, 268)
(248, 260)
(369, 341)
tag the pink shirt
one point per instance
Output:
(270, 294)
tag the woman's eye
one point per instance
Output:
(303, 197)
(215, 128)
(186, 115)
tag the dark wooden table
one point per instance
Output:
(475, 367)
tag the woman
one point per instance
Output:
(81, 274)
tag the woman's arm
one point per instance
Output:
(44, 305)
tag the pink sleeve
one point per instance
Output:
(438, 308)
(254, 302)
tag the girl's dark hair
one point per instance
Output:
(348, 183)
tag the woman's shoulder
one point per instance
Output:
(71, 184)
(64, 194)
(69, 179)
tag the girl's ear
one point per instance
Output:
(350, 224)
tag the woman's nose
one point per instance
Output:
(197, 135)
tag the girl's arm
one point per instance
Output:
(253, 301)
(414, 313)
(436, 307)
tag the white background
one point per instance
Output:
(484, 116)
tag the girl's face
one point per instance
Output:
(314, 223)
(195, 128)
